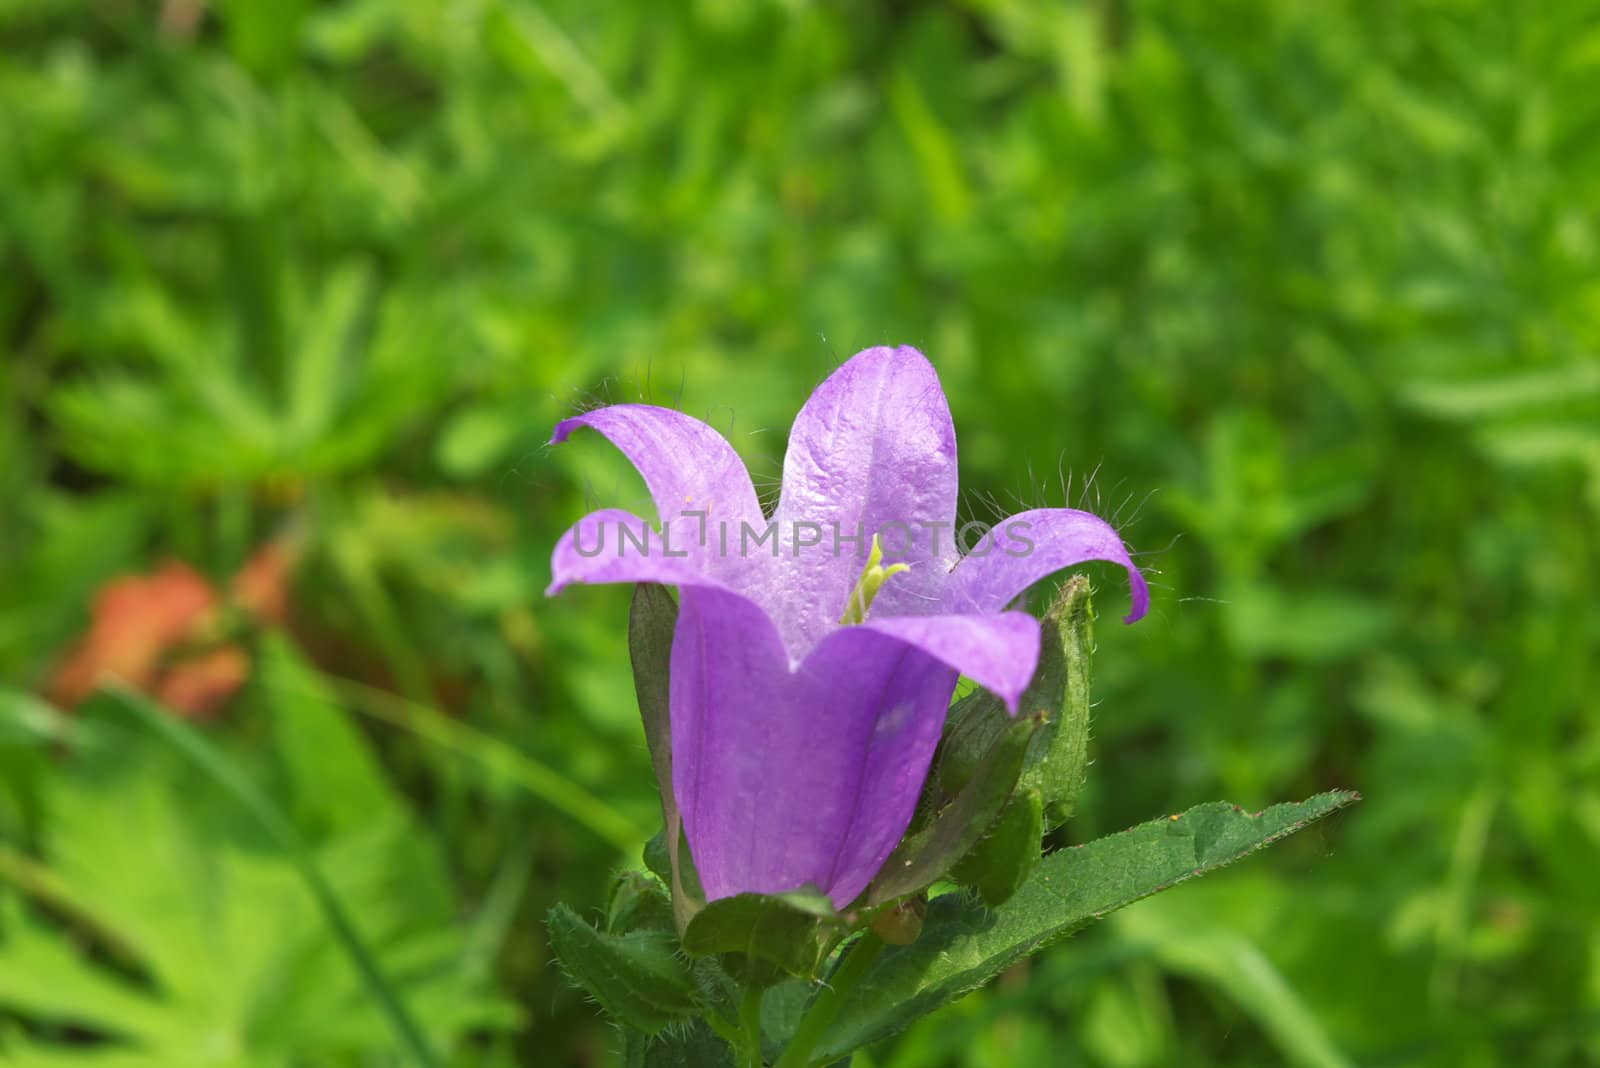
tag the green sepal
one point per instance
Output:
(998, 865)
(638, 902)
(638, 977)
(1059, 692)
(791, 932)
(927, 854)
(652, 620)
(657, 860)
(690, 897)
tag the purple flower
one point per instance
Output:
(800, 743)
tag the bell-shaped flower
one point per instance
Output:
(809, 682)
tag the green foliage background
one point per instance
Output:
(1306, 294)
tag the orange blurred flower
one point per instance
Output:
(163, 633)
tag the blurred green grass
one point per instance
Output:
(1303, 293)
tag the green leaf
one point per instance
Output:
(791, 931)
(44, 977)
(964, 945)
(999, 865)
(923, 857)
(783, 1006)
(318, 367)
(197, 751)
(1059, 693)
(691, 1046)
(333, 776)
(637, 977)
(201, 924)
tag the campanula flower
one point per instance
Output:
(809, 678)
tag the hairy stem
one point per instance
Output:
(750, 1018)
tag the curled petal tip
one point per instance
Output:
(562, 431)
(1140, 591)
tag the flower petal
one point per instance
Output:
(613, 545)
(895, 725)
(686, 464)
(1027, 547)
(998, 651)
(786, 778)
(873, 448)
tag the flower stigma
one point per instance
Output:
(867, 586)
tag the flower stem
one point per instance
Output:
(724, 1027)
(857, 959)
(750, 1018)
